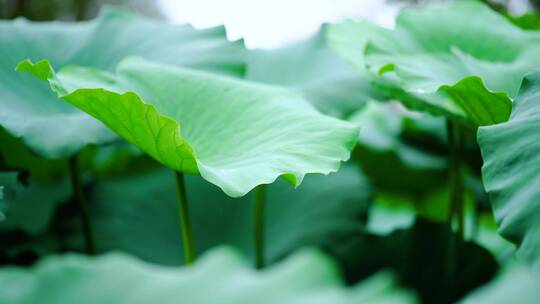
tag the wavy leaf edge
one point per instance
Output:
(43, 70)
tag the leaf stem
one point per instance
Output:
(82, 204)
(185, 222)
(455, 176)
(476, 220)
(258, 224)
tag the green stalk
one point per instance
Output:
(185, 222)
(83, 205)
(258, 225)
(455, 176)
(455, 180)
(476, 220)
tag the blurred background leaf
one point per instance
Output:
(221, 276)
(311, 66)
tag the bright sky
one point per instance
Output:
(272, 23)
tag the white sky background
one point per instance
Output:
(273, 23)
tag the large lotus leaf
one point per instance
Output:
(310, 65)
(511, 171)
(467, 70)
(221, 277)
(335, 202)
(236, 134)
(55, 129)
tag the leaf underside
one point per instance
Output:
(236, 134)
(511, 171)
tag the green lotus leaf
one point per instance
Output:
(236, 134)
(469, 70)
(54, 129)
(510, 171)
(326, 80)
(220, 276)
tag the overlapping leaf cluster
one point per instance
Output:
(127, 96)
(471, 72)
